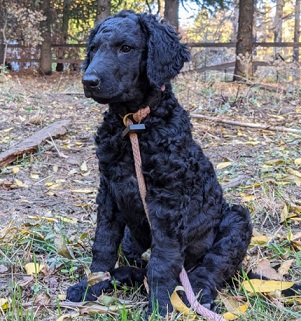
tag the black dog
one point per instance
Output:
(130, 61)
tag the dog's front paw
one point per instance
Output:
(83, 292)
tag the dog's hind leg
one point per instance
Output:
(224, 258)
(133, 249)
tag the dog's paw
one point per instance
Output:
(83, 292)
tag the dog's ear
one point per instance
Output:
(90, 39)
(165, 54)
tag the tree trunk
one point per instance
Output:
(243, 64)
(103, 9)
(64, 29)
(278, 27)
(297, 39)
(45, 60)
(2, 35)
(171, 12)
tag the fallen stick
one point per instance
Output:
(31, 143)
(252, 125)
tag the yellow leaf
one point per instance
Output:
(294, 172)
(83, 167)
(297, 245)
(274, 162)
(67, 220)
(229, 316)
(247, 197)
(259, 240)
(83, 191)
(33, 268)
(4, 304)
(284, 215)
(19, 183)
(256, 185)
(236, 312)
(223, 165)
(297, 161)
(62, 297)
(34, 176)
(296, 208)
(263, 286)
(15, 169)
(178, 304)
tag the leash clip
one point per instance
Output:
(133, 128)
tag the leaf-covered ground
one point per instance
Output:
(47, 210)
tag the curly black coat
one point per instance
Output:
(130, 61)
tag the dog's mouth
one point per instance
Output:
(96, 95)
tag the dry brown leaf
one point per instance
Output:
(97, 277)
(264, 268)
(285, 266)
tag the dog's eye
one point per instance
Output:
(125, 48)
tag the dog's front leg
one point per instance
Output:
(108, 235)
(163, 270)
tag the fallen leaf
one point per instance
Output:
(285, 266)
(20, 184)
(263, 286)
(247, 197)
(83, 191)
(62, 248)
(294, 172)
(42, 299)
(264, 268)
(223, 165)
(72, 220)
(33, 268)
(237, 312)
(4, 304)
(68, 316)
(274, 162)
(259, 240)
(97, 277)
(15, 169)
(3, 268)
(84, 167)
(178, 304)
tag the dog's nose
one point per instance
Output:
(90, 81)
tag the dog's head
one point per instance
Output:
(129, 54)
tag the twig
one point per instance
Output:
(252, 125)
(56, 129)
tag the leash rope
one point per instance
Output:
(194, 303)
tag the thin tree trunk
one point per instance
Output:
(2, 36)
(278, 27)
(243, 65)
(171, 12)
(64, 29)
(103, 9)
(45, 60)
(297, 38)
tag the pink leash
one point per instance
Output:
(195, 305)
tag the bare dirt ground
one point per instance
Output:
(260, 168)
